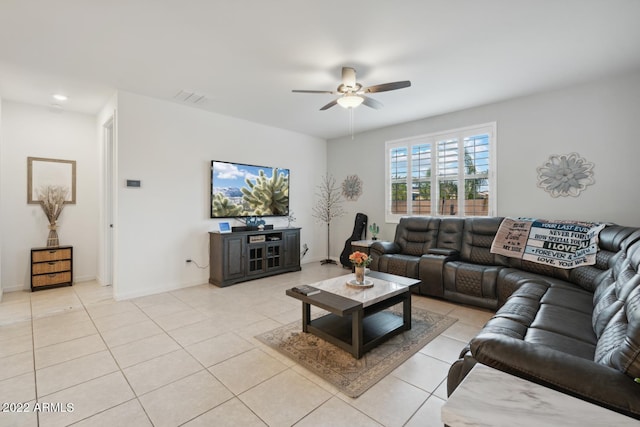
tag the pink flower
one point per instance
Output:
(360, 259)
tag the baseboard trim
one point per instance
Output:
(15, 288)
(318, 259)
(146, 292)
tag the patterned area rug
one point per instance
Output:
(352, 376)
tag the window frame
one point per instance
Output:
(433, 138)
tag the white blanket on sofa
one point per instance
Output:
(559, 243)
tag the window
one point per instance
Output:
(448, 173)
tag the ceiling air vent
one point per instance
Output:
(190, 97)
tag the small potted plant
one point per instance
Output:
(374, 229)
(360, 261)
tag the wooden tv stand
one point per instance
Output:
(246, 255)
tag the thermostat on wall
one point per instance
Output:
(134, 183)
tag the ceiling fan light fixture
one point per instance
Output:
(350, 101)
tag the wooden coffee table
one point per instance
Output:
(356, 321)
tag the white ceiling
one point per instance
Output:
(247, 55)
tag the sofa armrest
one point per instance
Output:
(431, 271)
(442, 251)
(581, 378)
(381, 248)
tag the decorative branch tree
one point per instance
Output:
(328, 207)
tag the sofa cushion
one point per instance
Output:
(400, 265)
(565, 321)
(477, 238)
(619, 343)
(450, 234)
(542, 313)
(538, 268)
(504, 325)
(561, 343)
(471, 283)
(607, 307)
(616, 287)
(628, 355)
(510, 279)
(611, 339)
(613, 241)
(571, 298)
(471, 279)
(521, 309)
(415, 236)
(611, 301)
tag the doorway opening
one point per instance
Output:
(109, 173)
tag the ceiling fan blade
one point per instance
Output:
(370, 102)
(349, 77)
(387, 87)
(329, 105)
(312, 91)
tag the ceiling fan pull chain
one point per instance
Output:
(351, 122)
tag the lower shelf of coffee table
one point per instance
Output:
(376, 328)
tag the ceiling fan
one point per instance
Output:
(352, 93)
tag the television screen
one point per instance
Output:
(240, 190)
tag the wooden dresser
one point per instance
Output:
(51, 267)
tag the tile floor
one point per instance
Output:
(189, 357)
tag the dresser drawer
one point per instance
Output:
(51, 255)
(51, 279)
(51, 267)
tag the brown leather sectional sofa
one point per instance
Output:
(574, 330)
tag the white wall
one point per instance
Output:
(169, 148)
(38, 132)
(598, 120)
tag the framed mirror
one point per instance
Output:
(42, 172)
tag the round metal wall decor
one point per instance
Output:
(352, 187)
(565, 175)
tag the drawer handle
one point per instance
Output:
(52, 275)
(53, 251)
(51, 263)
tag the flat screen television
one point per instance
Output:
(241, 190)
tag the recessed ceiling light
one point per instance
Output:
(60, 97)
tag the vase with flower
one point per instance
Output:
(360, 261)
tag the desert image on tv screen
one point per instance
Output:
(239, 190)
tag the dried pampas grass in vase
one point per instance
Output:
(52, 199)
